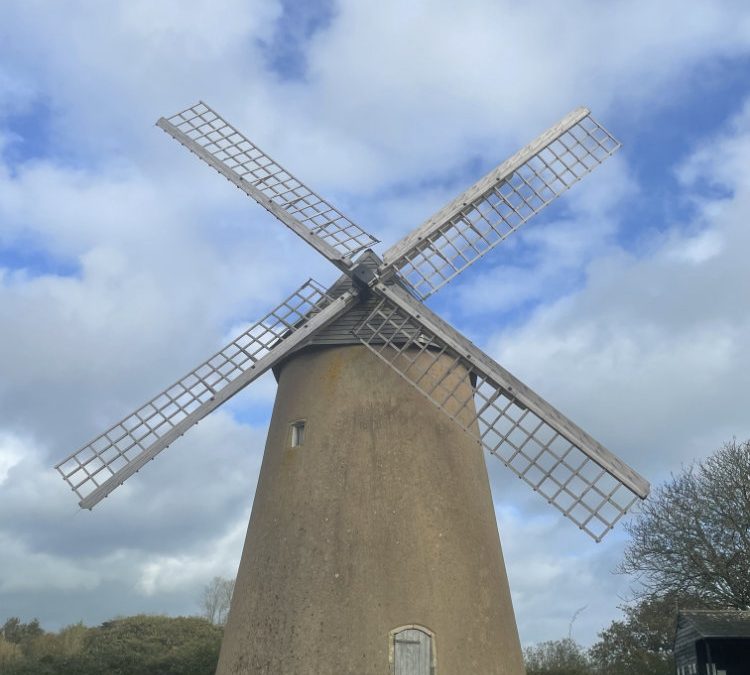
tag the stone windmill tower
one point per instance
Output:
(372, 547)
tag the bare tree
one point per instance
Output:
(692, 537)
(216, 598)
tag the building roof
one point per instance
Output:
(341, 331)
(715, 623)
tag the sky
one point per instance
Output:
(125, 262)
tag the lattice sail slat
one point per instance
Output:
(498, 204)
(521, 435)
(101, 465)
(222, 146)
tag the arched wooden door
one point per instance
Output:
(412, 652)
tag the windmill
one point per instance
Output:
(372, 545)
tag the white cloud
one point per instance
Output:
(108, 71)
(722, 160)
(650, 356)
(11, 453)
(547, 258)
(443, 82)
(697, 249)
(400, 104)
(15, 92)
(25, 569)
(174, 572)
(652, 351)
(555, 570)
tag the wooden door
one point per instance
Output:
(412, 652)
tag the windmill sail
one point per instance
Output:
(103, 464)
(575, 473)
(498, 204)
(222, 146)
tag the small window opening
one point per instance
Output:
(298, 433)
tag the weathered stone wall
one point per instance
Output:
(383, 518)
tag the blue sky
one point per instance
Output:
(124, 262)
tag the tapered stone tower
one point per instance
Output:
(372, 546)
(380, 521)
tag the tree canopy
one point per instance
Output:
(136, 645)
(556, 657)
(641, 642)
(692, 537)
(689, 549)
